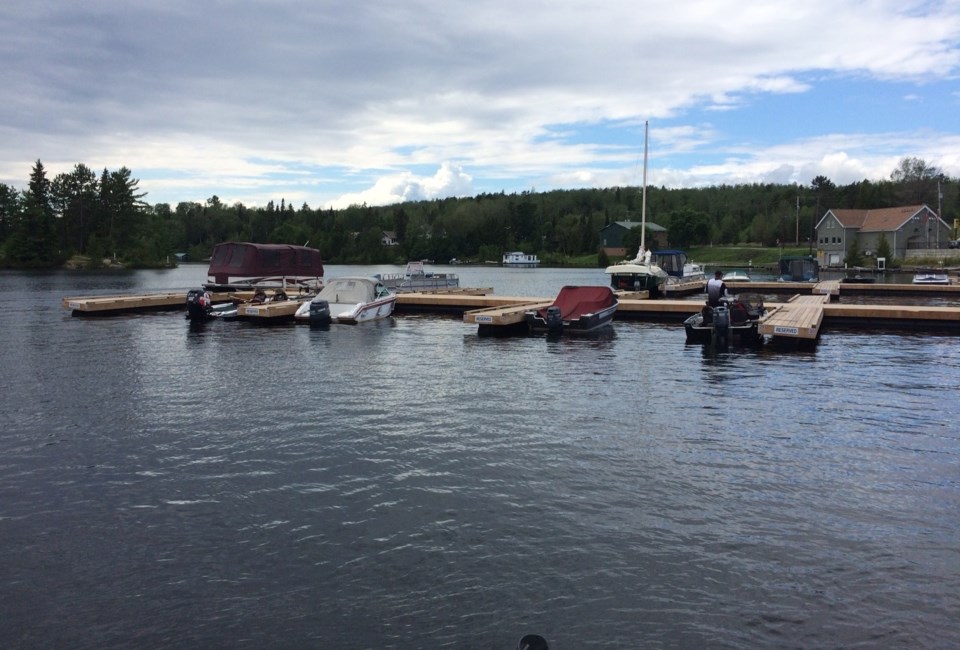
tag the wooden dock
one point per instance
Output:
(106, 305)
(800, 318)
(806, 314)
(503, 315)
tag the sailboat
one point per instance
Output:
(640, 274)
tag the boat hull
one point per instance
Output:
(582, 325)
(654, 284)
(731, 322)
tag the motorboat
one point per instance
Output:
(575, 310)
(736, 276)
(239, 266)
(799, 268)
(201, 308)
(520, 260)
(735, 320)
(416, 278)
(640, 273)
(683, 276)
(201, 305)
(930, 276)
(349, 299)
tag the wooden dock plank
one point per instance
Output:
(799, 318)
(95, 304)
(269, 310)
(827, 287)
(505, 315)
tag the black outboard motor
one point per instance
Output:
(721, 324)
(198, 305)
(553, 319)
(319, 312)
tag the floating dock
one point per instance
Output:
(801, 317)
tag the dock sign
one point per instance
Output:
(782, 329)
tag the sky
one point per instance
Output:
(380, 101)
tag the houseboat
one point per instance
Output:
(518, 259)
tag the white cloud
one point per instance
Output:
(309, 99)
(450, 180)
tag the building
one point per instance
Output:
(911, 227)
(389, 238)
(611, 237)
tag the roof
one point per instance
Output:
(882, 220)
(629, 225)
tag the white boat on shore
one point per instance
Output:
(520, 260)
(349, 300)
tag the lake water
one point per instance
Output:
(410, 484)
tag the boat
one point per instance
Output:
(799, 268)
(736, 319)
(683, 276)
(575, 310)
(737, 276)
(349, 299)
(238, 266)
(201, 306)
(416, 278)
(520, 260)
(640, 273)
(930, 276)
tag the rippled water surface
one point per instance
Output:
(407, 483)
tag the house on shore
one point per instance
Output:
(912, 227)
(612, 236)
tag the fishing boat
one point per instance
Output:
(799, 268)
(416, 278)
(930, 276)
(737, 276)
(520, 260)
(201, 306)
(736, 319)
(640, 273)
(348, 300)
(683, 276)
(238, 266)
(575, 310)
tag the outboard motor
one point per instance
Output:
(198, 304)
(721, 324)
(554, 319)
(319, 312)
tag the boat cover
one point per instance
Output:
(574, 302)
(242, 259)
(349, 290)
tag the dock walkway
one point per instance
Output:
(799, 318)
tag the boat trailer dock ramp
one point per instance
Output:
(802, 316)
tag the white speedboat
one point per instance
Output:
(929, 276)
(349, 300)
(737, 276)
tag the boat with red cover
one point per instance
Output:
(575, 310)
(242, 265)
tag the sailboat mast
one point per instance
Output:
(643, 208)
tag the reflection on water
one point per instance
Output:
(409, 483)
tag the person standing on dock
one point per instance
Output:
(716, 289)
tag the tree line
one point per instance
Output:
(105, 217)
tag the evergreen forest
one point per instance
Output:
(105, 220)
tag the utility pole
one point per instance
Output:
(798, 216)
